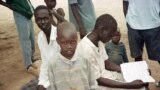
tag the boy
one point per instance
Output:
(143, 22)
(23, 11)
(68, 70)
(58, 15)
(116, 50)
(82, 14)
(46, 41)
(92, 48)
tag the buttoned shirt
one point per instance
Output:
(71, 74)
(47, 51)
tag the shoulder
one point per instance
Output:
(40, 34)
(108, 44)
(53, 59)
(121, 44)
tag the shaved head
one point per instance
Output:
(67, 38)
(66, 29)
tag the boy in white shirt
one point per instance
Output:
(46, 41)
(93, 49)
(67, 69)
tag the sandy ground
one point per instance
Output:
(12, 72)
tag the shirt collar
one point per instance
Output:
(69, 61)
(53, 35)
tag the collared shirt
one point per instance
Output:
(143, 14)
(97, 56)
(86, 11)
(47, 51)
(74, 74)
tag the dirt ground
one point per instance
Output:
(12, 73)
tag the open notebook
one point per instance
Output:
(136, 71)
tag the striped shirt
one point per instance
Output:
(74, 74)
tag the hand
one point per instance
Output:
(82, 32)
(40, 87)
(137, 84)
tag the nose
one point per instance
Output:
(69, 46)
(42, 21)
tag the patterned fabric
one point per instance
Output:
(74, 74)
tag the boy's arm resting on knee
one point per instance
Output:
(125, 7)
(76, 14)
(115, 84)
(111, 66)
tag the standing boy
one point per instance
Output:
(143, 22)
(68, 70)
(92, 48)
(23, 11)
(116, 49)
(82, 14)
(46, 41)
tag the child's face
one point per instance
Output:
(106, 35)
(68, 44)
(61, 12)
(116, 38)
(50, 3)
(43, 19)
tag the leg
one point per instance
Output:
(32, 38)
(136, 43)
(152, 41)
(24, 37)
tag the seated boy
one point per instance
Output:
(116, 50)
(93, 49)
(46, 41)
(58, 15)
(67, 69)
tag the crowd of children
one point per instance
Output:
(93, 63)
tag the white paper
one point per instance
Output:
(136, 71)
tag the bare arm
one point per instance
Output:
(125, 7)
(58, 16)
(115, 84)
(111, 66)
(78, 19)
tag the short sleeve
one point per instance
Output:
(72, 1)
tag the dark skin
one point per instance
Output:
(78, 20)
(100, 34)
(125, 9)
(59, 15)
(116, 38)
(43, 20)
(68, 44)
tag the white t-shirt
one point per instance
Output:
(143, 14)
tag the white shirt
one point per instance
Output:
(75, 73)
(143, 14)
(47, 51)
(97, 56)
